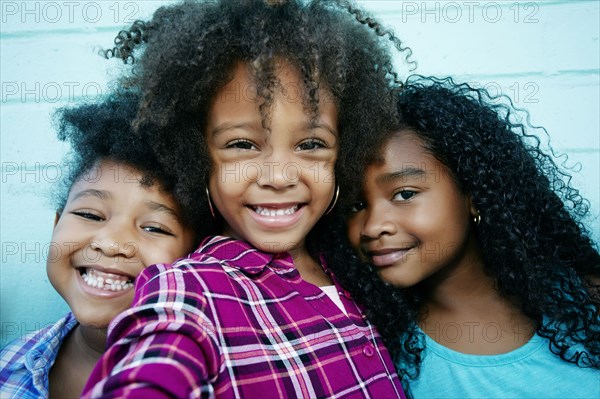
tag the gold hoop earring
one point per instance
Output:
(210, 206)
(477, 219)
(335, 198)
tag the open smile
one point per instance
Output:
(276, 215)
(105, 280)
(264, 211)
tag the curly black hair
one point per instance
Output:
(102, 131)
(187, 52)
(531, 234)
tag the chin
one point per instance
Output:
(396, 279)
(95, 323)
(92, 319)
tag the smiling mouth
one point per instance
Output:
(387, 257)
(275, 211)
(105, 281)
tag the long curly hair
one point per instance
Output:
(187, 52)
(103, 131)
(531, 234)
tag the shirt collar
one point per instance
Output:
(46, 343)
(243, 256)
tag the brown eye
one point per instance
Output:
(157, 230)
(358, 206)
(241, 145)
(311, 145)
(404, 195)
(88, 216)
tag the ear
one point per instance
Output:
(56, 219)
(473, 210)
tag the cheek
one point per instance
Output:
(446, 224)
(227, 180)
(54, 253)
(320, 176)
(62, 247)
(354, 231)
(322, 171)
(166, 253)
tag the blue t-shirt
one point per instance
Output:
(531, 371)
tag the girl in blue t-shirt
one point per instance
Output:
(492, 279)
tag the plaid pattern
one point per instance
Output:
(233, 322)
(25, 363)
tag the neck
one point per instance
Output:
(89, 342)
(462, 279)
(309, 268)
(458, 284)
(464, 296)
(75, 361)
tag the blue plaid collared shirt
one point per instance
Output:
(25, 363)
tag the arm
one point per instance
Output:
(164, 346)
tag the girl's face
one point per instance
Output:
(414, 221)
(110, 230)
(271, 187)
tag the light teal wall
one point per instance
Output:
(544, 54)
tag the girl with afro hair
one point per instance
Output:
(267, 106)
(491, 279)
(116, 214)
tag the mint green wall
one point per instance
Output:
(545, 55)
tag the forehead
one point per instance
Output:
(403, 148)
(238, 102)
(243, 86)
(108, 172)
(118, 177)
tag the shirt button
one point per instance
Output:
(369, 350)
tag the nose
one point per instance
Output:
(115, 239)
(378, 222)
(278, 171)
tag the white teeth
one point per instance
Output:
(115, 283)
(275, 212)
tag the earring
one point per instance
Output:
(210, 206)
(477, 219)
(335, 198)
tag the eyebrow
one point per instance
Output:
(90, 192)
(401, 174)
(104, 195)
(324, 126)
(228, 126)
(156, 206)
(250, 126)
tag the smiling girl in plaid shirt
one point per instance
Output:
(255, 102)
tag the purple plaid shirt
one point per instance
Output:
(233, 322)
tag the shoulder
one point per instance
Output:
(36, 348)
(188, 280)
(541, 373)
(191, 270)
(12, 356)
(179, 298)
